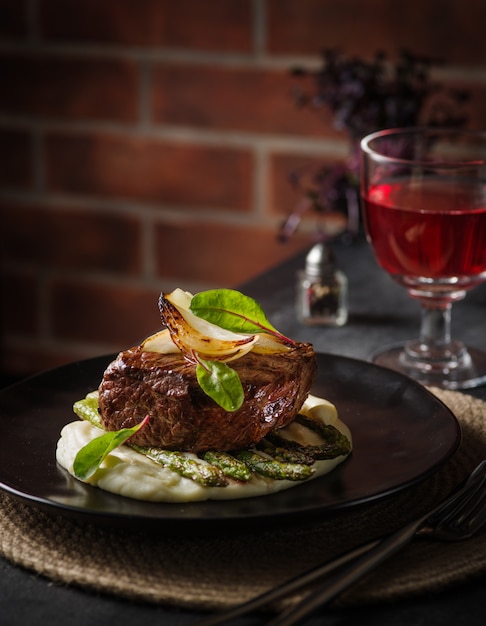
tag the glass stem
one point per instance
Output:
(435, 328)
(435, 348)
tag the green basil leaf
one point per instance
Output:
(221, 383)
(92, 455)
(231, 310)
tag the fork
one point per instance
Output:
(459, 517)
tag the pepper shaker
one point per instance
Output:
(322, 289)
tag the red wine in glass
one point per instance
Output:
(432, 229)
(424, 208)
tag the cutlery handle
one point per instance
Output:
(344, 578)
(283, 590)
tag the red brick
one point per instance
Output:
(16, 159)
(214, 25)
(69, 87)
(119, 316)
(71, 239)
(249, 99)
(452, 30)
(218, 254)
(19, 303)
(149, 170)
(13, 19)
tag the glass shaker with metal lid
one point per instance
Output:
(322, 289)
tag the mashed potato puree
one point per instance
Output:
(131, 474)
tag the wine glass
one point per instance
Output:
(424, 209)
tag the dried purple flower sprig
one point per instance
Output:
(364, 96)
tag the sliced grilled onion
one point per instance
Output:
(189, 333)
(267, 343)
(194, 334)
(160, 342)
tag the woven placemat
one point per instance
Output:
(215, 572)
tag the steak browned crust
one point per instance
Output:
(139, 383)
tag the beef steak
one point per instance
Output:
(139, 383)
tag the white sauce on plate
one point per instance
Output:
(130, 474)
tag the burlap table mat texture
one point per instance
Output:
(215, 572)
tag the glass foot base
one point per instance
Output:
(464, 378)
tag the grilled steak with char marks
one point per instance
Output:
(139, 383)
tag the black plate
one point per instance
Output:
(401, 435)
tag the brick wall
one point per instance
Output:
(146, 144)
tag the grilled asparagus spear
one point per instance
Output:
(272, 468)
(282, 459)
(229, 465)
